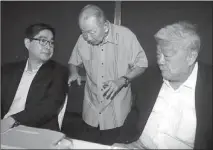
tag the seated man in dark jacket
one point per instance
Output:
(173, 105)
(33, 90)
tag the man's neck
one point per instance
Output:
(33, 64)
(176, 84)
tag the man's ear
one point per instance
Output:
(192, 57)
(106, 26)
(27, 43)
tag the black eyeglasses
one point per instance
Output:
(44, 42)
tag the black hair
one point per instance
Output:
(32, 30)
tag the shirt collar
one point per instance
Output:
(112, 37)
(191, 80)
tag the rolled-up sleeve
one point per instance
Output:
(75, 57)
(138, 56)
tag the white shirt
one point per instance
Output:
(19, 101)
(172, 122)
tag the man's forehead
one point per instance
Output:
(167, 47)
(88, 24)
(45, 34)
(164, 42)
(88, 19)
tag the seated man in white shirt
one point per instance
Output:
(33, 90)
(174, 109)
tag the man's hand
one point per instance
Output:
(112, 87)
(63, 144)
(6, 124)
(74, 77)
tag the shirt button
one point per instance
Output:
(102, 76)
(102, 50)
(102, 63)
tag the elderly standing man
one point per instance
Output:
(112, 58)
(174, 108)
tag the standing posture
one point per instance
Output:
(112, 58)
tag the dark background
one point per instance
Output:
(143, 18)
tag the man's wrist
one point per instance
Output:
(126, 81)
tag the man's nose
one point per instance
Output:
(89, 38)
(48, 46)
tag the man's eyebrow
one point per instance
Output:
(44, 37)
(88, 30)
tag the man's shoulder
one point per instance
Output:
(123, 30)
(205, 70)
(59, 69)
(57, 65)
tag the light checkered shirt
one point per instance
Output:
(104, 62)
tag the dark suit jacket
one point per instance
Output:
(45, 97)
(147, 88)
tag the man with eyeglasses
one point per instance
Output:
(33, 90)
(112, 58)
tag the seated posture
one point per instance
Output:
(33, 90)
(174, 108)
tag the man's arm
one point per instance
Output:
(7, 72)
(120, 82)
(137, 65)
(135, 72)
(113, 87)
(74, 74)
(75, 62)
(73, 69)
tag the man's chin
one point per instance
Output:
(44, 59)
(165, 75)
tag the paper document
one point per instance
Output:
(30, 138)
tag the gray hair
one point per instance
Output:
(93, 11)
(182, 33)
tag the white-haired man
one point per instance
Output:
(173, 109)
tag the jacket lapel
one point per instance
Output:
(202, 105)
(42, 76)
